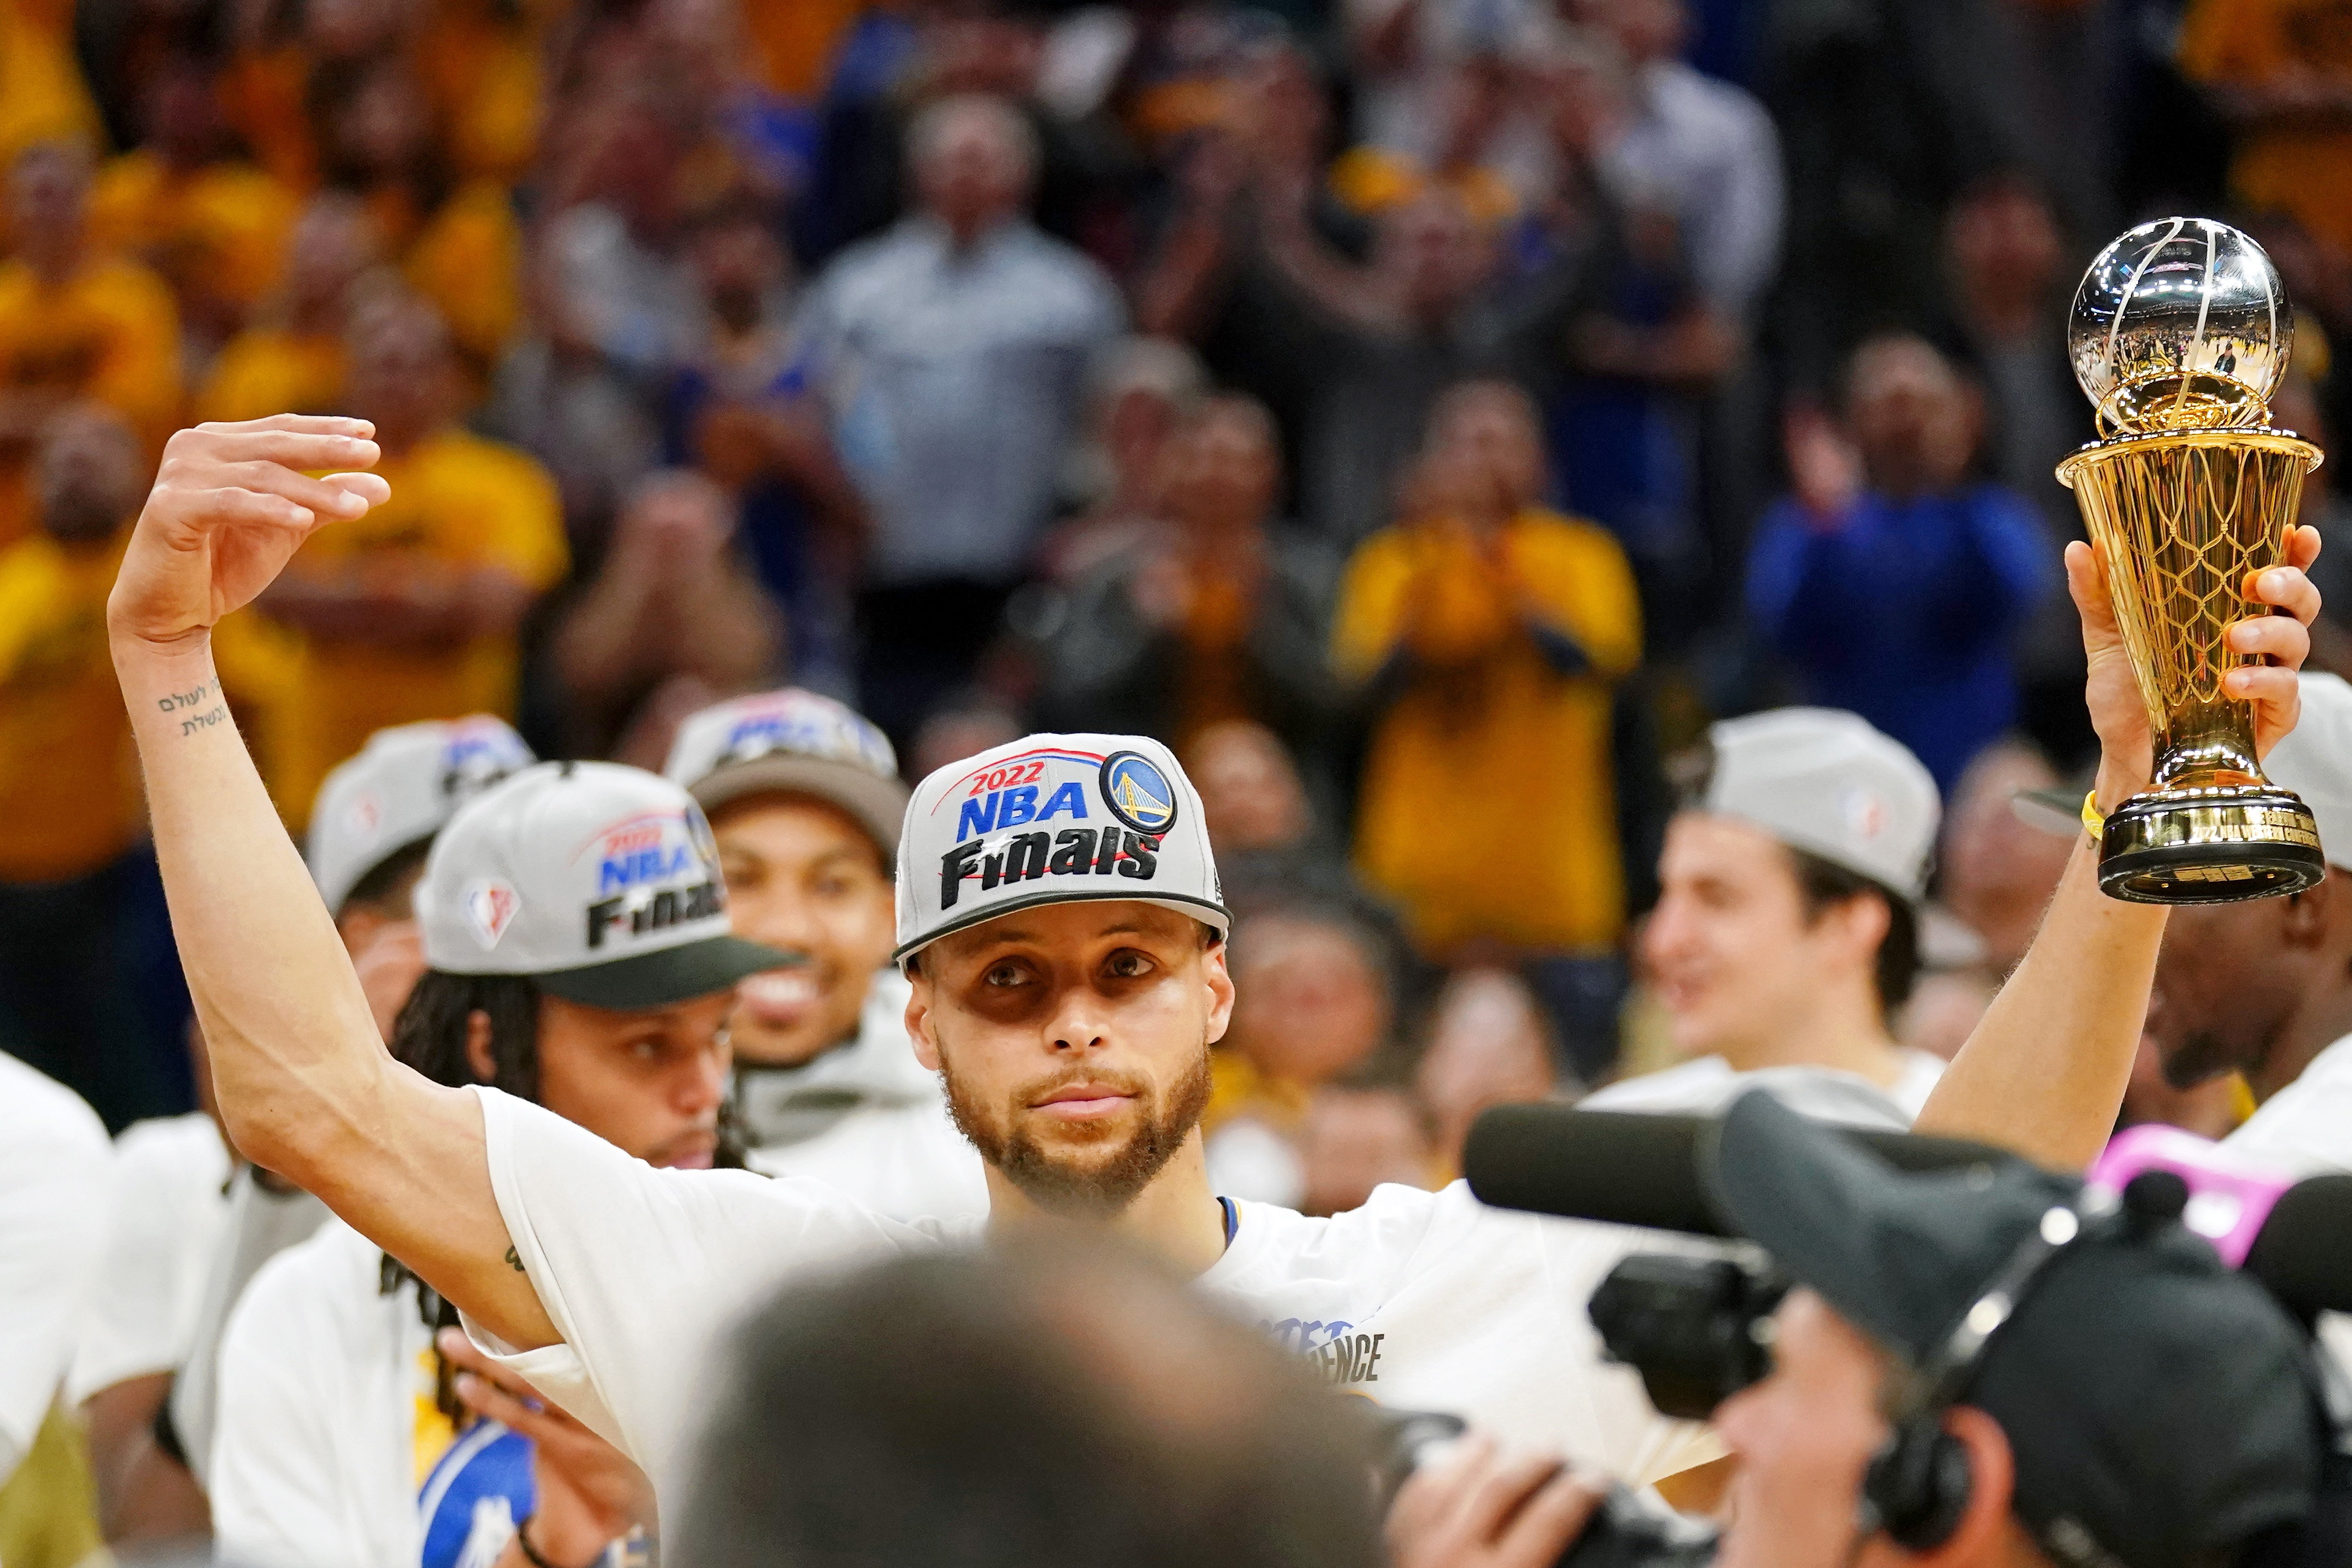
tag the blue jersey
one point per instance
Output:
(478, 1491)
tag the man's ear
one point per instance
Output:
(2303, 917)
(478, 1047)
(1861, 923)
(1993, 1482)
(1219, 979)
(919, 1021)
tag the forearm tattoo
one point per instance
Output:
(190, 705)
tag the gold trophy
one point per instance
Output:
(2180, 334)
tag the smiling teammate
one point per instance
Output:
(805, 806)
(1064, 931)
(1786, 935)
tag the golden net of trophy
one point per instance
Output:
(2179, 335)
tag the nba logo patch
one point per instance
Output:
(490, 907)
(363, 816)
(1137, 792)
(1866, 814)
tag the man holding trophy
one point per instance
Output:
(2179, 335)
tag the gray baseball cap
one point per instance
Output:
(792, 741)
(399, 791)
(1823, 781)
(1053, 819)
(2315, 759)
(597, 881)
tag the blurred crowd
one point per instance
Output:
(1424, 415)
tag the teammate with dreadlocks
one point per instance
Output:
(325, 1451)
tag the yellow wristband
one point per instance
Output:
(2092, 819)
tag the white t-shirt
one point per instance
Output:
(55, 1195)
(312, 1458)
(1423, 1300)
(259, 1224)
(171, 1203)
(2305, 1128)
(332, 1450)
(1706, 1085)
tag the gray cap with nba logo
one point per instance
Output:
(598, 883)
(797, 742)
(1053, 819)
(400, 789)
(1823, 781)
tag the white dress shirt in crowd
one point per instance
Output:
(1706, 152)
(956, 376)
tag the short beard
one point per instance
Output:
(1102, 1191)
(2200, 1057)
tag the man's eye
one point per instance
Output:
(1128, 965)
(1003, 974)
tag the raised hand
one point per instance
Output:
(2127, 748)
(231, 505)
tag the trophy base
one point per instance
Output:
(2210, 847)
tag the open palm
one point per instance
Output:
(2120, 715)
(231, 505)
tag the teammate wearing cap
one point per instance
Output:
(2264, 988)
(1987, 1369)
(1060, 915)
(1786, 932)
(580, 960)
(805, 806)
(374, 820)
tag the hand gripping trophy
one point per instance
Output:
(2180, 334)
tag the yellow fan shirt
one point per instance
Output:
(70, 797)
(457, 502)
(2302, 169)
(110, 333)
(42, 95)
(1489, 805)
(223, 227)
(271, 370)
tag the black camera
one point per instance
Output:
(1697, 1329)
(1624, 1531)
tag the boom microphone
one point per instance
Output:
(1631, 1168)
(1624, 1167)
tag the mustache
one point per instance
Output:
(1128, 1083)
(701, 1133)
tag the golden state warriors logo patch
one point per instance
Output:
(1137, 792)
